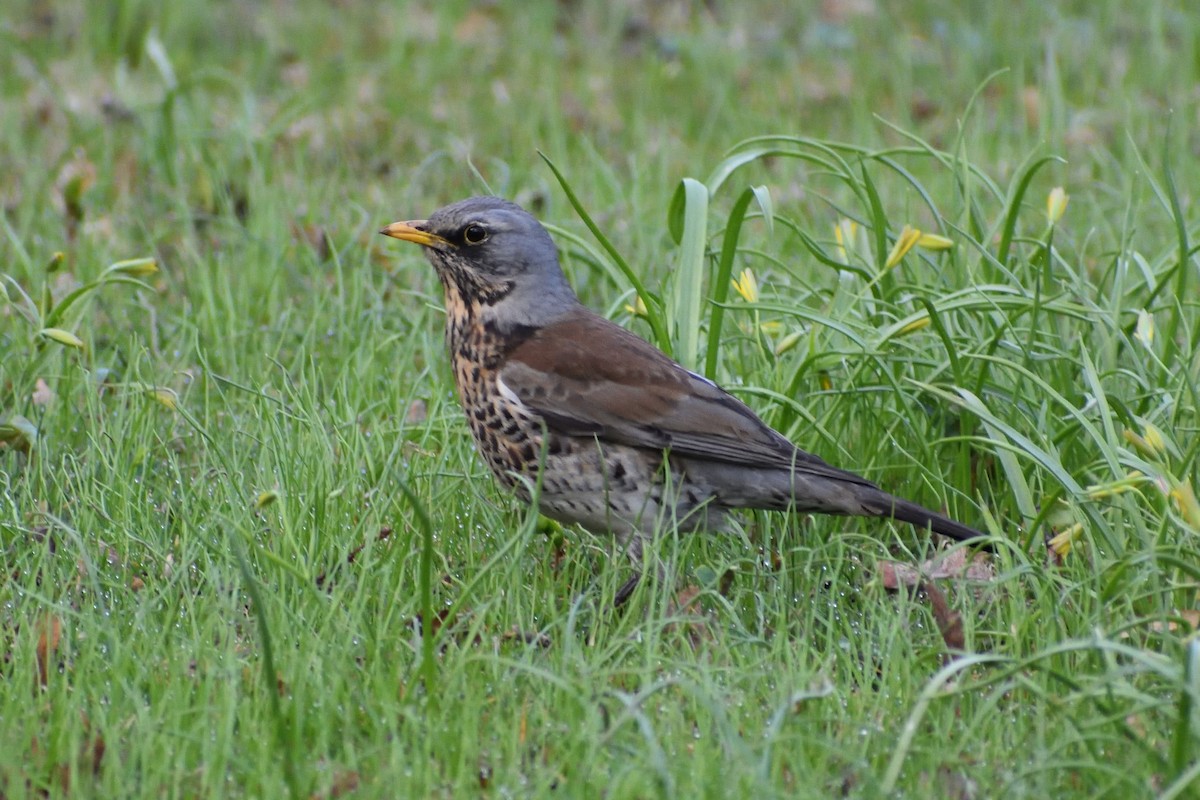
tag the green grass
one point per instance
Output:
(251, 493)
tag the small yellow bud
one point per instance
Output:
(134, 268)
(747, 286)
(1150, 444)
(1056, 204)
(1145, 328)
(168, 398)
(1061, 543)
(1139, 444)
(915, 325)
(638, 308)
(265, 499)
(1185, 502)
(1127, 484)
(771, 327)
(845, 231)
(931, 241)
(904, 242)
(65, 338)
(1154, 439)
(788, 342)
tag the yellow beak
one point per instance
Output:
(411, 232)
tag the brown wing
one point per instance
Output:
(588, 376)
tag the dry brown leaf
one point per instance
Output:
(416, 413)
(694, 623)
(1189, 616)
(49, 637)
(840, 11)
(687, 601)
(948, 620)
(515, 634)
(1031, 106)
(344, 782)
(950, 564)
(476, 27)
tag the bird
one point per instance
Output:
(605, 430)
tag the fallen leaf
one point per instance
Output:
(416, 413)
(840, 11)
(528, 637)
(1187, 620)
(49, 637)
(344, 782)
(948, 620)
(690, 617)
(476, 27)
(949, 564)
(687, 601)
(1031, 106)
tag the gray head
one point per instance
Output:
(493, 252)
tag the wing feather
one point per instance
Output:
(588, 376)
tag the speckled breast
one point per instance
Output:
(507, 435)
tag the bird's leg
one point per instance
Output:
(625, 591)
(633, 549)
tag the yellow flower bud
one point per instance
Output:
(166, 397)
(931, 241)
(1145, 328)
(134, 268)
(1154, 439)
(1056, 204)
(65, 338)
(747, 286)
(904, 242)
(1061, 544)
(1185, 502)
(638, 308)
(915, 325)
(843, 232)
(265, 499)
(788, 342)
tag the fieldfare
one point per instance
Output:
(627, 440)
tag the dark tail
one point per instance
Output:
(923, 518)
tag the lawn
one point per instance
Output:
(248, 549)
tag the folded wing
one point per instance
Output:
(588, 376)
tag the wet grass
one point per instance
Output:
(248, 549)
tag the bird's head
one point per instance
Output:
(495, 254)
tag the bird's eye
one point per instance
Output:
(474, 234)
